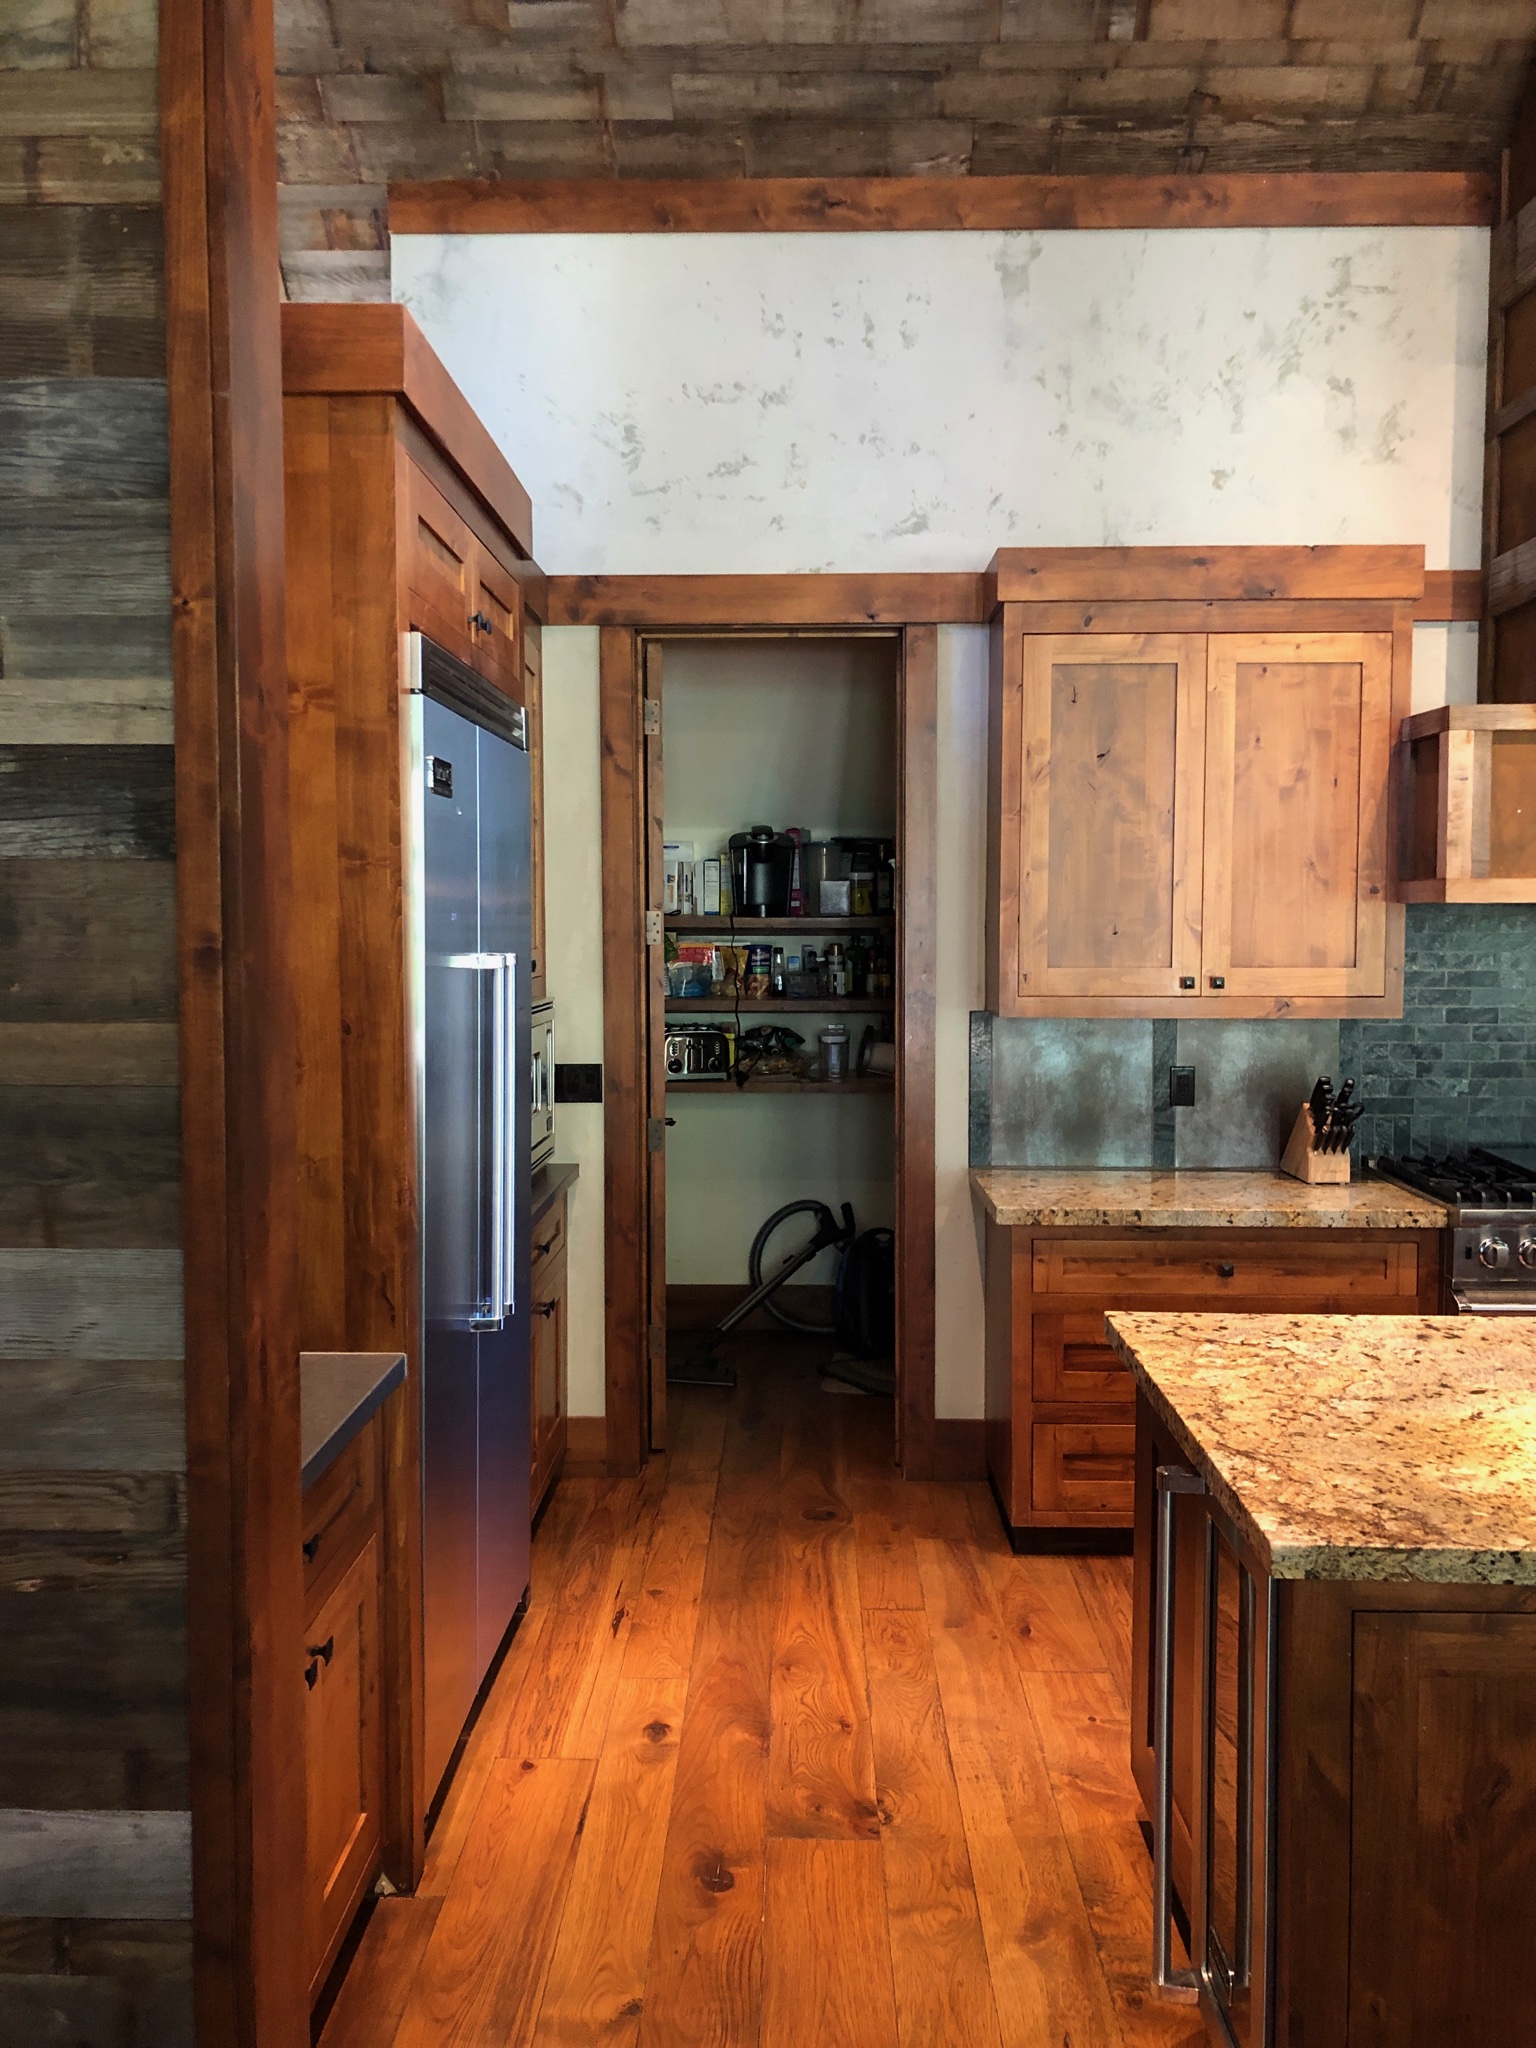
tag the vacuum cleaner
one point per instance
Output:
(873, 1279)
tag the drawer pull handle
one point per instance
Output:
(481, 623)
(324, 1651)
(1226, 1270)
(312, 1672)
(545, 1308)
(548, 1244)
(309, 1546)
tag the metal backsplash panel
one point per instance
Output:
(1250, 1079)
(1071, 1092)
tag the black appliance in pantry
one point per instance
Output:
(470, 925)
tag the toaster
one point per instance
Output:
(698, 1052)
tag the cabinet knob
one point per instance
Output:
(545, 1308)
(324, 1651)
(481, 623)
(309, 1546)
(1218, 981)
(1225, 1270)
(1186, 981)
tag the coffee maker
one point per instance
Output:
(762, 868)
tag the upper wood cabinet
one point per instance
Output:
(1191, 792)
(403, 515)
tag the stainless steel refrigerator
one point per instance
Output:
(470, 927)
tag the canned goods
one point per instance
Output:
(759, 970)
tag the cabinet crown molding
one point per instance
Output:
(1055, 575)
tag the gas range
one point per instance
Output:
(1492, 1200)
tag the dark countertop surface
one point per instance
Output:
(548, 1182)
(338, 1392)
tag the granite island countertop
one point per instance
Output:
(1115, 1198)
(1356, 1447)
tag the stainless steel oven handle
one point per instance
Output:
(1490, 1304)
(1177, 1986)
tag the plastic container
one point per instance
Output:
(834, 1053)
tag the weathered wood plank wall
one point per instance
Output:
(94, 1840)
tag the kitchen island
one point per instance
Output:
(1063, 1245)
(1334, 1686)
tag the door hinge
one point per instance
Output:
(656, 1133)
(653, 932)
(650, 717)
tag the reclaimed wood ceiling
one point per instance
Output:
(372, 91)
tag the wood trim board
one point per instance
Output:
(237, 1042)
(916, 1005)
(1234, 574)
(379, 350)
(1248, 199)
(806, 601)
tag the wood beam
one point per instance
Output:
(237, 1044)
(1256, 199)
(804, 601)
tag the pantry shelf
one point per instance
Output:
(785, 1084)
(744, 927)
(786, 1006)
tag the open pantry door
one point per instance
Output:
(657, 1119)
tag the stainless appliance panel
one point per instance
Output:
(541, 1057)
(453, 1237)
(505, 1432)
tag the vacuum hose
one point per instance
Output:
(827, 1229)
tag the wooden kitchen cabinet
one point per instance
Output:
(550, 1345)
(1195, 822)
(340, 1669)
(1059, 1400)
(1370, 1743)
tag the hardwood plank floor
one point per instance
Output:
(786, 1753)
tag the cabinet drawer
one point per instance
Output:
(1083, 1468)
(1071, 1359)
(340, 1510)
(1129, 1271)
(549, 1234)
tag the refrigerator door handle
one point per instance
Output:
(509, 1066)
(490, 1315)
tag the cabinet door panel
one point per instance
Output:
(498, 622)
(1110, 822)
(343, 1755)
(1084, 1468)
(441, 568)
(549, 1337)
(1298, 746)
(1073, 1360)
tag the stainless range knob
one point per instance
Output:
(1494, 1251)
(1527, 1253)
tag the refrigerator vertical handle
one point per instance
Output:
(511, 1067)
(498, 1146)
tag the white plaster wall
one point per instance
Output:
(791, 402)
(758, 403)
(573, 911)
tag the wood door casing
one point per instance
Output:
(1298, 750)
(656, 1058)
(1111, 731)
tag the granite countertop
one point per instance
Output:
(338, 1392)
(550, 1181)
(1356, 1447)
(1026, 1197)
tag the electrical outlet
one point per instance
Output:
(1181, 1087)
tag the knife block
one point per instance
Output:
(1302, 1161)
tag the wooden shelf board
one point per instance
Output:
(786, 1006)
(783, 1084)
(880, 920)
